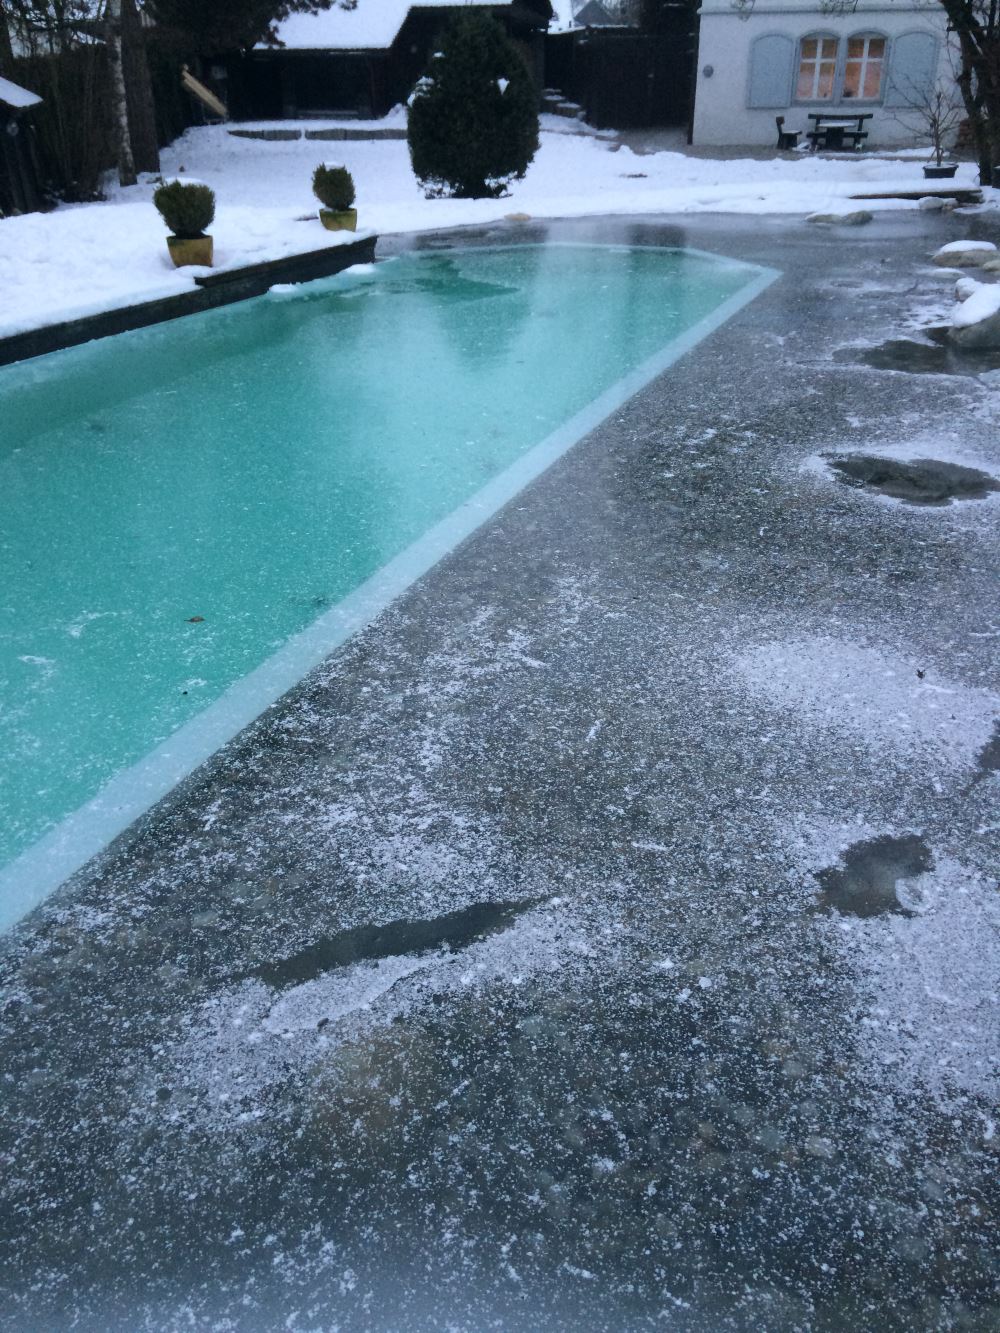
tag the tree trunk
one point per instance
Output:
(979, 78)
(139, 88)
(6, 50)
(119, 95)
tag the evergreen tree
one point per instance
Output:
(208, 27)
(474, 116)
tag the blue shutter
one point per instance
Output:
(771, 64)
(913, 62)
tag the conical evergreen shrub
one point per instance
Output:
(474, 115)
(187, 207)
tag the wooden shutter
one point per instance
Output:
(772, 60)
(913, 59)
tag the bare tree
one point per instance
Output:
(46, 27)
(139, 85)
(935, 114)
(6, 49)
(207, 27)
(976, 25)
(119, 93)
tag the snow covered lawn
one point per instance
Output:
(92, 257)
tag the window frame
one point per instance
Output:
(819, 38)
(864, 64)
(837, 97)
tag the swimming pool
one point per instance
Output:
(196, 514)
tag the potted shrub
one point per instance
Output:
(939, 169)
(187, 208)
(939, 114)
(334, 188)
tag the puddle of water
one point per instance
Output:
(988, 758)
(928, 358)
(920, 481)
(453, 931)
(866, 884)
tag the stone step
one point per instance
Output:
(557, 105)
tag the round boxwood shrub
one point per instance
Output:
(334, 188)
(473, 124)
(186, 208)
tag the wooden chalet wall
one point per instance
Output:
(20, 177)
(278, 84)
(625, 78)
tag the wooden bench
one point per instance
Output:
(786, 138)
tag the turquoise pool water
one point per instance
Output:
(179, 504)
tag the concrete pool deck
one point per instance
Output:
(485, 981)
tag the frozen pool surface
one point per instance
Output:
(188, 509)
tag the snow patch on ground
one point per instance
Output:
(927, 984)
(976, 301)
(963, 247)
(929, 987)
(251, 1038)
(92, 258)
(875, 697)
(332, 997)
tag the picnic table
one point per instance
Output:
(832, 130)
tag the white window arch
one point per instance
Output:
(817, 72)
(841, 69)
(864, 66)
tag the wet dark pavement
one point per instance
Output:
(510, 973)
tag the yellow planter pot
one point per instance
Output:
(185, 250)
(334, 221)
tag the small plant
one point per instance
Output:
(187, 209)
(935, 113)
(334, 188)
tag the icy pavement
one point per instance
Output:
(604, 940)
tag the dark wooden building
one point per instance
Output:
(20, 189)
(360, 63)
(625, 77)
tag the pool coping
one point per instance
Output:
(88, 831)
(212, 290)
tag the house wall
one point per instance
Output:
(731, 80)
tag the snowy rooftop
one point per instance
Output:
(13, 95)
(568, 15)
(370, 26)
(562, 15)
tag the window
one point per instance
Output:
(863, 67)
(817, 69)
(832, 70)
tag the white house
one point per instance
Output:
(785, 58)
